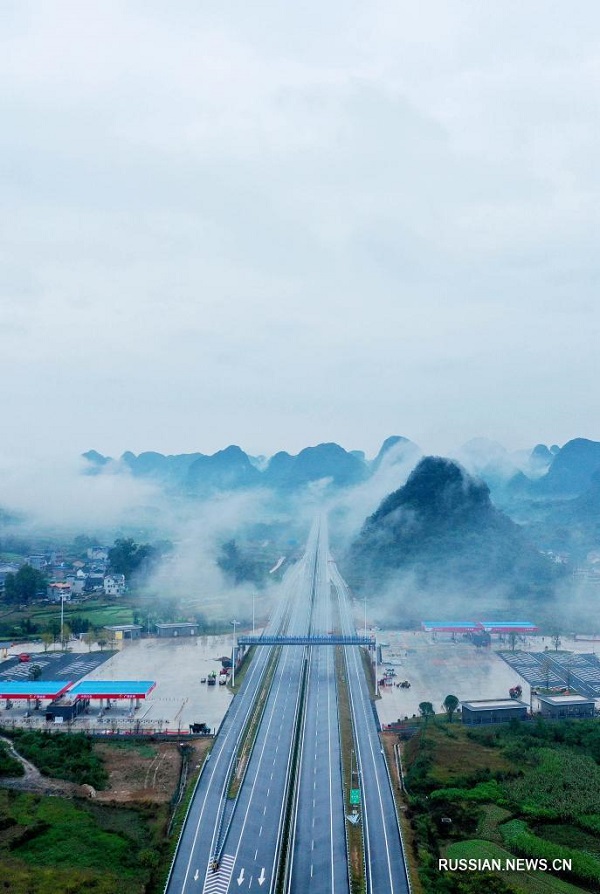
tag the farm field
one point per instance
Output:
(113, 842)
(514, 790)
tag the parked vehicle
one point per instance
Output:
(200, 729)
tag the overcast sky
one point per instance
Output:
(276, 224)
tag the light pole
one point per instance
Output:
(62, 620)
(253, 598)
(235, 623)
(365, 615)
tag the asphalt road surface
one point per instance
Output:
(385, 866)
(247, 834)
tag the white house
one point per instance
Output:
(114, 584)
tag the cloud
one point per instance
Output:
(256, 229)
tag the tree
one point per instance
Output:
(450, 705)
(426, 709)
(512, 639)
(24, 585)
(47, 639)
(126, 556)
(89, 639)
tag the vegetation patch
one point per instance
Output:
(538, 797)
(526, 882)
(67, 756)
(9, 766)
(50, 844)
(562, 783)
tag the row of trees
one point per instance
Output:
(450, 704)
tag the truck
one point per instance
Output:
(199, 729)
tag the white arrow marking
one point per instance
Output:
(241, 877)
(196, 875)
(261, 877)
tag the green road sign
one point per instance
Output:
(355, 796)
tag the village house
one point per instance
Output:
(114, 584)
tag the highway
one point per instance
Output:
(293, 778)
(385, 866)
(318, 861)
(197, 842)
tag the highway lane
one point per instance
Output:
(197, 842)
(253, 843)
(385, 865)
(318, 858)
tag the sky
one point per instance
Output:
(278, 224)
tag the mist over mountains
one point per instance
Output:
(441, 535)
(196, 474)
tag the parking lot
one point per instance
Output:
(177, 667)
(437, 667)
(434, 667)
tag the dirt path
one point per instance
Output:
(33, 781)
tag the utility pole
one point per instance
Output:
(235, 623)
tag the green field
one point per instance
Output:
(526, 882)
(525, 790)
(50, 845)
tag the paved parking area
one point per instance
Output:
(439, 667)
(54, 665)
(177, 667)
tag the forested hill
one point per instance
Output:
(443, 529)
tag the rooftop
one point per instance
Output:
(46, 689)
(112, 689)
(177, 624)
(497, 704)
(561, 700)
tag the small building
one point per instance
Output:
(38, 562)
(65, 709)
(181, 628)
(120, 632)
(499, 710)
(114, 584)
(566, 707)
(58, 591)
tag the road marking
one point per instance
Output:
(240, 878)
(218, 882)
(260, 833)
(256, 853)
(261, 878)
